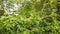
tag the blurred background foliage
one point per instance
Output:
(29, 17)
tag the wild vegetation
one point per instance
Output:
(31, 17)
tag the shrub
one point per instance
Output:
(34, 17)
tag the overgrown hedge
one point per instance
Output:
(33, 18)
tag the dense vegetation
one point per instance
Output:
(33, 17)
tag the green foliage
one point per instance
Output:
(34, 17)
(2, 12)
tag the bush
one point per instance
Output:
(34, 17)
